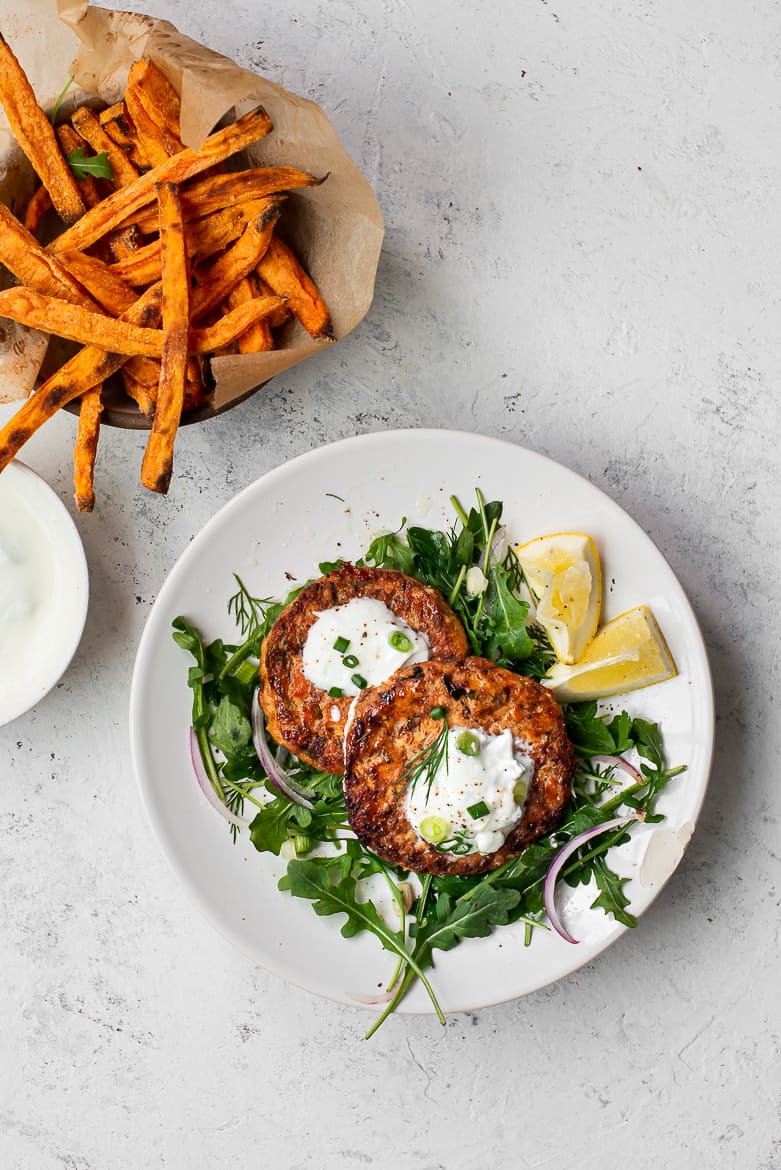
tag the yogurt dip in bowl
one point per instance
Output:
(44, 590)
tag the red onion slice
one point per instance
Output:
(381, 997)
(277, 775)
(561, 859)
(206, 786)
(620, 762)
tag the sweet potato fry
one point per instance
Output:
(69, 140)
(77, 324)
(196, 394)
(257, 338)
(121, 205)
(125, 242)
(234, 324)
(85, 448)
(148, 134)
(86, 369)
(36, 137)
(110, 292)
(144, 394)
(215, 283)
(280, 316)
(118, 124)
(285, 276)
(33, 266)
(87, 123)
(158, 461)
(212, 192)
(39, 204)
(203, 237)
(158, 97)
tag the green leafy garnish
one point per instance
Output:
(97, 165)
(432, 757)
(56, 108)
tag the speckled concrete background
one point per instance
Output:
(583, 209)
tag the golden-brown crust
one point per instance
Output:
(391, 724)
(298, 714)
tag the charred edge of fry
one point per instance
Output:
(122, 133)
(88, 125)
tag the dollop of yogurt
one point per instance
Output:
(491, 779)
(358, 644)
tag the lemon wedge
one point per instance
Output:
(628, 653)
(565, 576)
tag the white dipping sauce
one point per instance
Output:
(43, 590)
(369, 628)
(488, 777)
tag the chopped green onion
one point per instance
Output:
(399, 641)
(302, 843)
(335, 692)
(480, 809)
(437, 712)
(359, 681)
(434, 829)
(469, 744)
(520, 788)
(246, 672)
(341, 644)
(350, 660)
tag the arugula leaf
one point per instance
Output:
(97, 165)
(450, 922)
(506, 617)
(389, 551)
(269, 829)
(612, 898)
(229, 730)
(331, 892)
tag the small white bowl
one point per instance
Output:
(44, 590)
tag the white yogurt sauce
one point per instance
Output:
(368, 626)
(43, 590)
(488, 777)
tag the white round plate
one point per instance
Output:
(55, 543)
(328, 504)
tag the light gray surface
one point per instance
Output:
(583, 216)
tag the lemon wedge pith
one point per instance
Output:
(629, 652)
(564, 573)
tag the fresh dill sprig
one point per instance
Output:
(430, 759)
(250, 613)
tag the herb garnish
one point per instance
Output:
(97, 165)
(430, 759)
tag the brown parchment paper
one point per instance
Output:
(336, 228)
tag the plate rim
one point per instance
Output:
(178, 569)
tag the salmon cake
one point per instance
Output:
(455, 767)
(347, 631)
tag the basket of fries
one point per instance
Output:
(176, 232)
